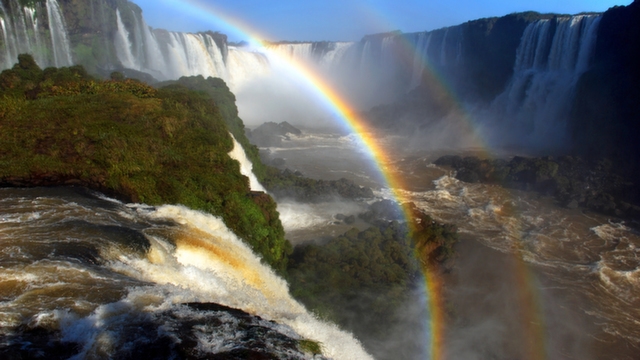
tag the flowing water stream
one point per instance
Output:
(94, 273)
(581, 260)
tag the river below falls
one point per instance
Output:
(530, 277)
(530, 280)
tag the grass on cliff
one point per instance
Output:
(157, 146)
(225, 100)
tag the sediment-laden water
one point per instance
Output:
(100, 278)
(86, 276)
(576, 259)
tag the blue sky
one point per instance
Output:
(342, 19)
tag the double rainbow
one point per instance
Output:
(336, 103)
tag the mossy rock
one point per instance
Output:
(125, 138)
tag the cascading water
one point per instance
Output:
(246, 167)
(299, 51)
(422, 41)
(22, 32)
(123, 44)
(170, 55)
(245, 65)
(335, 54)
(85, 276)
(7, 47)
(137, 48)
(10, 35)
(32, 22)
(549, 61)
(199, 55)
(379, 68)
(59, 37)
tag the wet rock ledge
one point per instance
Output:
(595, 185)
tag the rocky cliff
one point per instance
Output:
(605, 114)
(544, 80)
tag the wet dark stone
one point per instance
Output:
(171, 334)
(597, 185)
(271, 134)
(467, 175)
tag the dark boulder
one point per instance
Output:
(596, 185)
(272, 134)
(453, 161)
(467, 175)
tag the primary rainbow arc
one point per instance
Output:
(337, 104)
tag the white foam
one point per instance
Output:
(610, 231)
(246, 167)
(197, 270)
(297, 216)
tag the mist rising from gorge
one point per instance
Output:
(513, 88)
(515, 80)
(522, 83)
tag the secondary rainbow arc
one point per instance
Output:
(337, 104)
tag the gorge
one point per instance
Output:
(190, 260)
(524, 75)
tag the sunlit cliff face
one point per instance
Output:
(539, 280)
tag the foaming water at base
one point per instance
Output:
(591, 262)
(327, 156)
(109, 277)
(585, 252)
(321, 221)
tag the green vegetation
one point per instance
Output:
(279, 183)
(225, 101)
(292, 185)
(310, 347)
(60, 126)
(360, 279)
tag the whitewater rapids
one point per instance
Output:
(88, 266)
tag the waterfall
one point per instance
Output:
(102, 277)
(389, 53)
(549, 61)
(22, 32)
(298, 51)
(243, 66)
(202, 55)
(170, 55)
(246, 167)
(420, 58)
(335, 55)
(138, 48)
(443, 48)
(532, 52)
(32, 20)
(10, 35)
(380, 67)
(327, 55)
(154, 59)
(7, 45)
(59, 38)
(123, 44)
(210, 261)
(164, 55)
